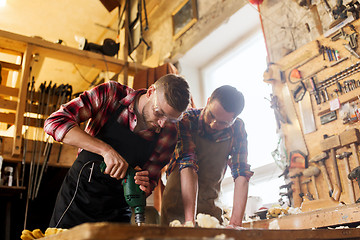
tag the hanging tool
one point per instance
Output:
(352, 51)
(31, 90)
(296, 178)
(66, 94)
(295, 139)
(134, 196)
(43, 112)
(320, 160)
(312, 172)
(350, 138)
(345, 156)
(315, 91)
(331, 143)
(299, 91)
(48, 147)
(308, 194)
(306, 114)
(298, 159)
(355, 175)
(33, 156)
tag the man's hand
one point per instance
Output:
(235, 227)
(142, 179)
(116, 166)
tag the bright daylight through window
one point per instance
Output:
(243, 68)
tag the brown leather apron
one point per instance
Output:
(212, 159)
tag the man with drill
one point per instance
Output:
(126, 128)
(209, 139)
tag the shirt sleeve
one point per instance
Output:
(184, 153)
(162, 153)
(239, 152)
(93, 103)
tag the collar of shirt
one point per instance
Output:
(217, 136)
(129, 102)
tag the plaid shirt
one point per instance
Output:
(97, 105)
(185, 150)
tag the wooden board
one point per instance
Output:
(310, 63)
(113, 231)
(322, 217)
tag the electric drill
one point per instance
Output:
(134, 196)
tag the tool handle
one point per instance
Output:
(336, 169)
(354, 150)
(315, 188)
(350, 185)
(326, 176)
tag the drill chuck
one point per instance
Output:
(134, 196)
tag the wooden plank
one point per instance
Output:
(8, 104)
(11, 66)
(324, 107)
(126, 43)
(9, 91)
(67, 157)
(20, 109)
(117, 231)
(10, 119)
(333, 216)
(7, 118)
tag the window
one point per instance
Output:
(243, 68)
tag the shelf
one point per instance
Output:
(11, 191)
(17, 42)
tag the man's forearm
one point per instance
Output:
(79, 138)
(240, 198)
(116, 165)
(189, 189)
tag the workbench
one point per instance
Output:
(320, 218)
(115, 231)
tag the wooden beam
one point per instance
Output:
(217, 14)
(9, 91)
(126, 43)
(7, 118)
(11, 66)
(20, 109)
(8, 104)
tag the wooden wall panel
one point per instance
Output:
(313, 63)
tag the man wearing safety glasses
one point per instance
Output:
(125, 128)
(209, 139)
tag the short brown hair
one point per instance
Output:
(176, 91)
(230, 99)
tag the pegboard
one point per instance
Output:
(306, 113)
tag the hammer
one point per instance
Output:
(308, 194)
(320, 159)
(345, 155)
(355, 174)
(297, 177)
(331, 144)
(351, 137)
(312, 172)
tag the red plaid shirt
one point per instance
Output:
(185, 151)
(97, 105)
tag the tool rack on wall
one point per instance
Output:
(317, 88)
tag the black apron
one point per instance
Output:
(99, 197)
(212, 160)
